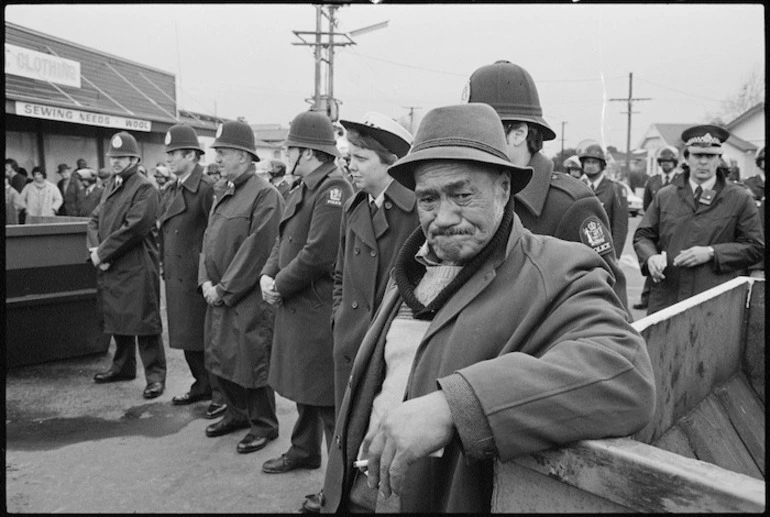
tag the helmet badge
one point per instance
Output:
(117, 142)
(168, 137)
(466, 95)
(219, 131)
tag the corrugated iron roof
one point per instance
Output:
(109, 84)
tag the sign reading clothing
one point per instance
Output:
(43, 67)
(26, 109)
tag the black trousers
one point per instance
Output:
(255, 405)
(150, 350)
(646, 290)
(205, 383)
(312, 424)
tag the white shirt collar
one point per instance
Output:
(598, 180)
(762, 176)
(707, 184)
(380, 199)
(183, 177)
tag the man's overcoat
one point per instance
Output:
(242, 228)
(544, 345)
(654, 184)
(182, 226)
(302, 265)
(564, 207)
(367, 251)
(730, 224)
(614, 202)
(123, 226)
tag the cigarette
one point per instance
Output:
(360, 464)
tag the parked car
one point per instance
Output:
(634, 201)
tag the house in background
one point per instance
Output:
(269, 138)
(737, 151)
(750, 127)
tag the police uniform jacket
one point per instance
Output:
(564, 366)
(564, 207)
(123, 228)
(302, 265)
(367, 251)
(91, 200)
(182, 226)
(73, 196)
(730, 224)
(757, 187)
(654, 184)
(242, 226)
(614, 202)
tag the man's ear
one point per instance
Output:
(517, 136)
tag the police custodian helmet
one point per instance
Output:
(313, 130)
(591, 149)
(235, 134)
(182, 136)
(668, 153)
(123, 144)
(511, 91)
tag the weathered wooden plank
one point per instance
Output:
(754, 356)
(714, 439)
(694, 346)
(676, 441)
(644, 478)
(747, 415)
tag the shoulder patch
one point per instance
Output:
(335, 197)
(594, 235)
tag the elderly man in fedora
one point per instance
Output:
(491, 342)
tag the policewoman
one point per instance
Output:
(188, 201)
(551, 204)
(242, 227)
(298, 279)
(700, 231)
(122, 241)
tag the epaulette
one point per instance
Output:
(573, 187)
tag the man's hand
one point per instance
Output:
(412, 430)
(269, 292)
(95, 257)
(655, 265)
(694, 256)
(757, 273)
(210, 294)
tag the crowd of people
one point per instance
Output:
(430, 303)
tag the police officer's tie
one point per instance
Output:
(372, 208)
(698, 192)
(665, 180)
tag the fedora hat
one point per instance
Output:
(466, 132)
(385, 130)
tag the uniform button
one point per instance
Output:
(388, 205)
(338, 440)
(290, 239)
(356, 251)
(347, 358)
(176, 232)
(373, 253)
(354, 305)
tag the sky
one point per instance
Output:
(241, 60)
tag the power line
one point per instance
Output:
(679, 91)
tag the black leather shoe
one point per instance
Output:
(110, 376)
(225, 426)
(215, 410)
(253, 443)
(188, 398)
(640, 306)
(286, 464)
(154, 389)
(313, 503)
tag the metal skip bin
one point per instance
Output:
(51, 299)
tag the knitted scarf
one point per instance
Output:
(408, 272)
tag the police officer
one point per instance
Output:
(182, 225)
(298, 280)
(613, 198)
(667, 158)
(700, 231)
(756, 183)
(278, 177)
(243, 225)
(122, 241)
(572, 167)
(551, 204)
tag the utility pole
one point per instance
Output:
(563, 122)
(323, 45)
(630, 100)
(411, 117)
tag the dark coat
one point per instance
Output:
(19, 181)
(242, 227)
(614, 202)
(367, 251)
(91, 200)
(302, 264)
(73, 196)
(123, 228)
(564, 207)
(182, 226)
(592, 378)
(757, 187)
(654, 184)
(730, 224)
